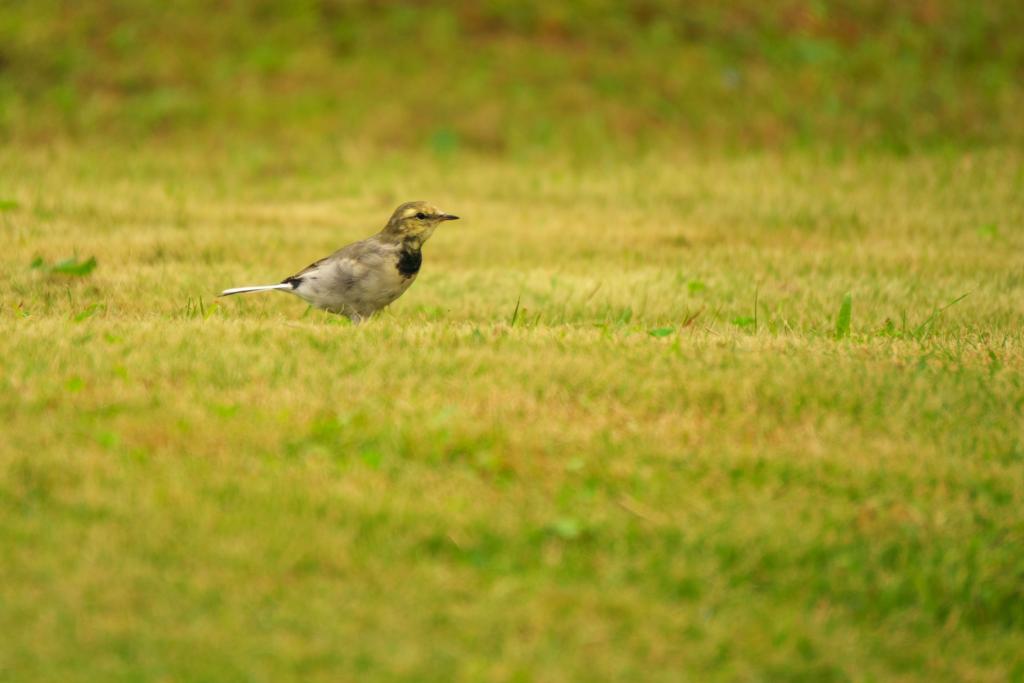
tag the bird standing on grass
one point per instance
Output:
(358, 280)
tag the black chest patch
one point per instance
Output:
(409, 262)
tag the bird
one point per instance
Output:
(358, 280)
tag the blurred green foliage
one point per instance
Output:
(505, 75)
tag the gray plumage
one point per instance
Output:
(358, 280)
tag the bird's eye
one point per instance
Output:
(421, 216)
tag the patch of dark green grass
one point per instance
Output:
(72, 266)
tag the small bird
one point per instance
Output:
(358, 280)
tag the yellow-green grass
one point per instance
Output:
(576, 449)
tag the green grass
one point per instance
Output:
(617, 430)
(515, 76)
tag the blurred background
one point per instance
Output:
(516, 76)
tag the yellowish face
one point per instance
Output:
(417, 220)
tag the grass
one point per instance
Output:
(704, 419)
(509, 77)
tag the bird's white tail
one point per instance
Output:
(257, 288)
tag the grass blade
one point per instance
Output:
(921, 329)
(843, 319)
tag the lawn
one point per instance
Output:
(623, 427)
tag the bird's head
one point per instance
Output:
(416, 221)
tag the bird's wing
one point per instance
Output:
(340, 256)
(348, 264)
(315, 265)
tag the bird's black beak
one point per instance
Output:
(449, 217)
